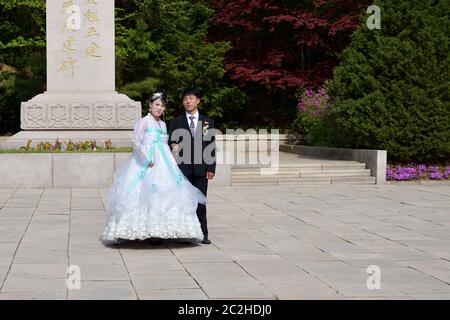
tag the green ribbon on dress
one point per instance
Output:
(156, 143)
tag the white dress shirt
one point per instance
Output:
(195, 115)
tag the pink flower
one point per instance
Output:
(314, 103)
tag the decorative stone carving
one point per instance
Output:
(34, 115)
(67, 116)
(82, 116)
(126, 115)
(58, 116)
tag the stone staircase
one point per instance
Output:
(318, 172)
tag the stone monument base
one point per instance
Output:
(80, 110)
(119, 138)
(78, 116)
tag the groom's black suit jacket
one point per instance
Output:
(204, 137)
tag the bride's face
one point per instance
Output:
(157, 108)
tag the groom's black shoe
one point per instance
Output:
(155, 241)
(206, 240)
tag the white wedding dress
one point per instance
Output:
(152, 202)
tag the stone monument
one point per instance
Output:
(80, 102)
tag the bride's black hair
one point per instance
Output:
(158, 95)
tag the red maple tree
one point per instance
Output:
(284, 44)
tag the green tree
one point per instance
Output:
(161, 44)
(392, 89)
(22, 57)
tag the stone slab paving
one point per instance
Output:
(280, 242)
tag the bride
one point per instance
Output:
(150, 197)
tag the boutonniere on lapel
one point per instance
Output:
(205, 127)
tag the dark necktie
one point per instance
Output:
(192, 125)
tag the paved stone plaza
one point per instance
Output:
(286, 242)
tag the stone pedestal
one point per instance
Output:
(79, 111)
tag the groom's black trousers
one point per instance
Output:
(202, 184)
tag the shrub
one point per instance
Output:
(312, 107)
(392, 89)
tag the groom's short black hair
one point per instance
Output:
(191, 91)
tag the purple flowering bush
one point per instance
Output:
(314, 103)
(446, 172)
(417, 171)
(312, 106)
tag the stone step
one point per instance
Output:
(282, 183)
(362, 182)
(343, 166)
(300, 182)
(303, 180)
(256, 178)
(353, 180)
(336, 174)
(291, 177)
(303, 172)
(320, 166)
(255, 183)
(333, 172)
(291, 180)
(258, 173)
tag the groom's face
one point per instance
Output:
(190, 103)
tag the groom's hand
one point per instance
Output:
(210, 175)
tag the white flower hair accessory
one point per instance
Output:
(157, 95)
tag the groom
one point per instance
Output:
(192, 137)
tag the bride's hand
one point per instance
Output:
(174, 146)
